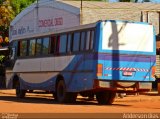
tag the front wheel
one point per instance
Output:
(105, 97)
(19, 92)
(62, 95)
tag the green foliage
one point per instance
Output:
(6, 16)
(19, 5)
(6, 13)
(1, 58)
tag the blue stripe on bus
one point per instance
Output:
(133, 58)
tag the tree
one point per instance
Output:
(19, 5)
(6, 16)
(8, 10)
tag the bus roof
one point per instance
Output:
(75, 28)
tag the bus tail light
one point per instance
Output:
(99, 69)
(153, 71)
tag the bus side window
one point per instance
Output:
(53, 44)
(23, 48)
(83, 39)
(32, 47)
(76, 41)
(69, 43)
(63, 43)
(45, 46)
(38, 46)
(15, 46)
(57, 45)
(92, 39)
(88, 40)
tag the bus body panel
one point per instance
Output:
(77, 70)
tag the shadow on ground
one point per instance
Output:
(49, 100)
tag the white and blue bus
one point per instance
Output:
(99, 59)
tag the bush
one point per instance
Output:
(1, 58)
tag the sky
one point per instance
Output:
(154, 1)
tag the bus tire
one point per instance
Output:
(105, 97)
(54, 95)
(62, 96)
(19, 92)
(72, 97)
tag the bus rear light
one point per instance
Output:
(99, 69)
(153, 71)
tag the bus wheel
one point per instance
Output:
(105, 97)
(54, 95)
(62, 95)
(72, 97)
(19, 92)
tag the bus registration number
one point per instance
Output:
(127, 73)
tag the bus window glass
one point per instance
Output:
(82, 41)
(45, 47)
(32, 47)
(57, 42)
(63, 42)
(53, 44)
(76, 41)
(38, 46)
(23, 48)
(92, 39)
(87, 40)
(15, 45)
(69, 43)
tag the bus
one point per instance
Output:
(99, 59)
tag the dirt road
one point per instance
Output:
(45, 103)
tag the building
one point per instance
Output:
(50, 15)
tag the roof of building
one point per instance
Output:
(45, 3)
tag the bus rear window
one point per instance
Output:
(127, 37)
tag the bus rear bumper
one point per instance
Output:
(122, 86)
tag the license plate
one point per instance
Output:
(126, 73)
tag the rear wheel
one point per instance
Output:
(62, 95)
(19, 92)
(105, 97)
(54, 95)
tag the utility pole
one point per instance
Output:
(37, 17)
(81, 14)
(37, 3)
(81, 5)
